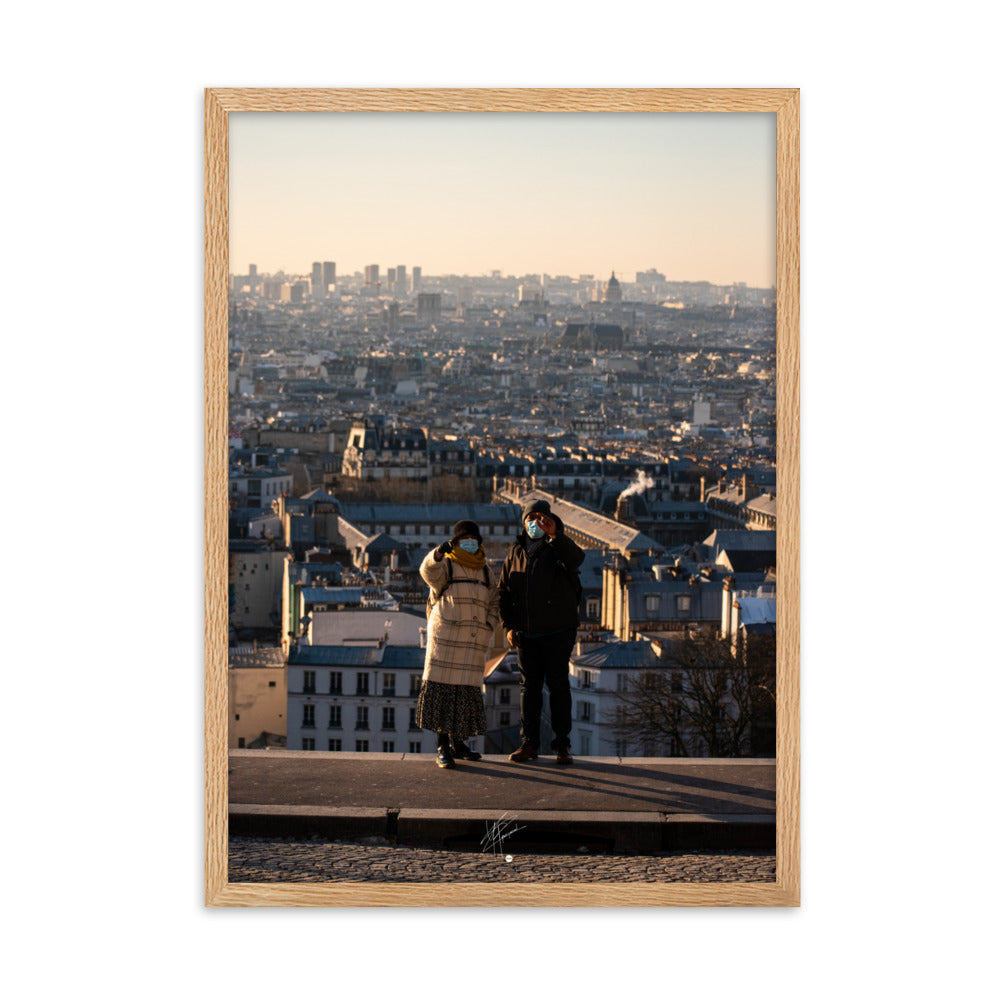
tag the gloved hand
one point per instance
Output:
(442, 550)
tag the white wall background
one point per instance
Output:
(102, 266)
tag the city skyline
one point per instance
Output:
(689, 195)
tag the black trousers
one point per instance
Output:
(544, 661)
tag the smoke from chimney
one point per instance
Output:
(642, 483)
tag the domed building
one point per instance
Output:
(613, 293)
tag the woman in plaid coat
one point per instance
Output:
(463, 614)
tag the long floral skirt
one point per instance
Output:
(456, 709)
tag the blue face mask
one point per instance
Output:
(534, 529)
(470, 545)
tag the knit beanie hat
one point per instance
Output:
(466, 528)
(537, 507)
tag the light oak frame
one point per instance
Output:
(219, 102)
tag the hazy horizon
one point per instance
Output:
(689, 195)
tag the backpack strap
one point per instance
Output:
(485, 582)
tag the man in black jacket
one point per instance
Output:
(539, 608)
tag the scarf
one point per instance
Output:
(534, 544)
(476, 560)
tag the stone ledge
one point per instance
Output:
(635, 805)
(489, 829)
(690, 831)
(486, 829)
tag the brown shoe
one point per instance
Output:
(563, 756)
(524, 753)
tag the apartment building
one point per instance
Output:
(256, 572)
(377, 450)
(356, 699)
(256, 678)
(419, 527)
(741, 504)
(596, 676)
(257, 488)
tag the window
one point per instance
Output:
(308, 743)
(362, 720)
(676, 687)
(586, 679)
(388, 746)
(505, 718)
(336, 682)
(335, 722)
(361, 746)
(308, 716)
(272, 684)
(683, 604)
(415, 681)
(593, 607)
(413, 719)
(388, 718)
(309, 682)
(241, 743)
(388, 685)
(362, 684)
(415, 746)
(622, 683)
(585, 711)
(335, 745)
(652, 604)
(504, 696)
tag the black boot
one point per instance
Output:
(444, 757)
(462, 752)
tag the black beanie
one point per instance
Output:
(466, 528)
(537, 507)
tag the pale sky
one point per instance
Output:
(691, 195)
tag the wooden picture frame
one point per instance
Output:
(219, 103)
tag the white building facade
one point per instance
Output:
(356, 699)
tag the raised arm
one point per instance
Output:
(433, 570)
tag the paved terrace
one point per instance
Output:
(605, 804)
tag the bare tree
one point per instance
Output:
(704, 699)
(449, 488)
(388, 490)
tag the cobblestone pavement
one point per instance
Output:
(376, 860)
